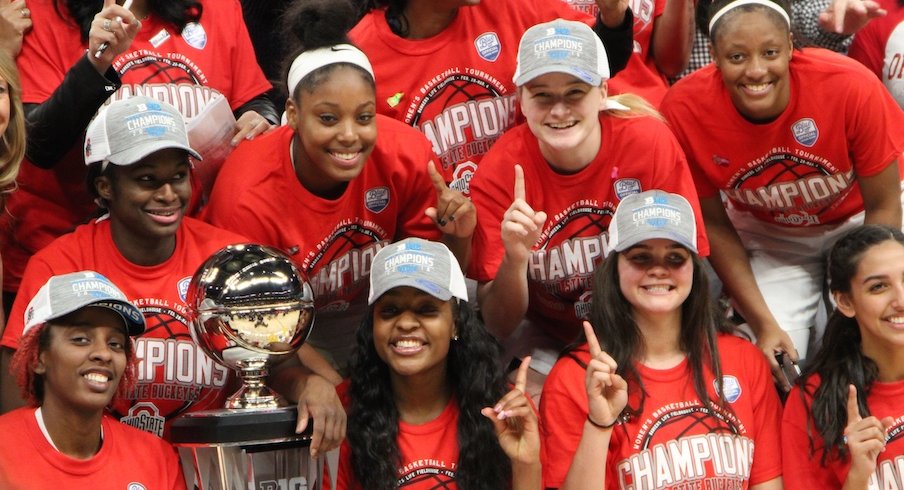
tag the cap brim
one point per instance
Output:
(435, 290)
(132, 155)
(586, 77)
(131, 316)
(621, 246)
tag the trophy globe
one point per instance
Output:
(251, 308)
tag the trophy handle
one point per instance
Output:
(253, 393)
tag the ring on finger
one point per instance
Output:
(24, 12)
(844, 440)
(106, 25)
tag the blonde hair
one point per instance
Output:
(637, 107)
(12, 142)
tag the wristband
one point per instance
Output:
(601, 426)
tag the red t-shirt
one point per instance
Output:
(676, 443)
(880, 46)
(333, 242)
(800, 169)
(127, 459)
(637, 154)
(456, 87)
(187, 70)
(174, 375)
(429, 454)
(803, 468)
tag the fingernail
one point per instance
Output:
(503, 415)
(497, 408)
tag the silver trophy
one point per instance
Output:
(251, 309)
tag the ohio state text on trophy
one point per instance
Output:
(251, 308)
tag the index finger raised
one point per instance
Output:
(519, 193)
(592, 341)
(439, 183)
(521, 375)
(853, 410)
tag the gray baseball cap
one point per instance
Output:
(562, 46)
(653, 214)
(130, 129)
(421, 264)
(67, 293)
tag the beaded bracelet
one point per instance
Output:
(601, 426)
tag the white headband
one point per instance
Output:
(740, 3)
(309, 61)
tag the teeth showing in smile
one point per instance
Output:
(408, 344)
(345, 156)
(657, 289)
(897, 320)
(758, 87)
(96, 378)
(162, 213)
(564, 125)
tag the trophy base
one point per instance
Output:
(245, 449)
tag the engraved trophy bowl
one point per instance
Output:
(251, 308)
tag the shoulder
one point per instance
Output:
(827, 68)
(398, 142)
(207, 235)
(69, 243)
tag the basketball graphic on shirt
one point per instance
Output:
(153, 67)
(687, 421)
(340, 266)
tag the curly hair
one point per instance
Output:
(31, 384)
(477, 379)
(317, 24)
(612, 317)
(82, 12)
(840, 360)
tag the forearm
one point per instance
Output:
(460, 248)
(59, 123)
(588, 467)
(527, 476)
(617, 39)
(882, 197)
(261, 105)
(673, 37)
(503, 301)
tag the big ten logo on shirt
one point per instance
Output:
(890, 472)
(174, 374)
(791, 185)
(686, 445)
(462, 111)
(339, 265)
(571, 245)
(893, 65)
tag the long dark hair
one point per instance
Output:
(613, 322)
(477, 379)
(82, 12)
(840, 360)
(317, 24)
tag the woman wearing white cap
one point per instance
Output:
(429, 405)
(139, 160)
(658, 394)
(338, 182)
(551, 186)
(75, 357)
(789, 149)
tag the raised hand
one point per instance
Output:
(849, 16)
(521, 225)
(612, 12)
(772, 341)
(865, 438)
(15, 21)
(454, 213)
(114, 26)
(249, 125)
(516, 422)
(607, 392)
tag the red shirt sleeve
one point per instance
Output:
(562, 414)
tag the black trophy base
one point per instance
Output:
(243, 449)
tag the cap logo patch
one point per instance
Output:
(805, 132)
(488, 46)
(656, 213)
(151, 120)
(376, 199)
(95, 288)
